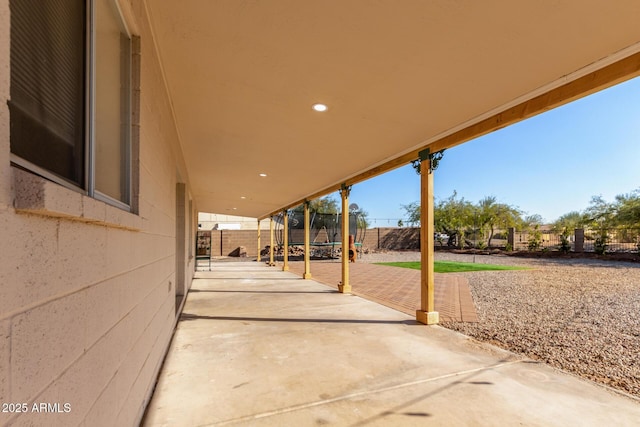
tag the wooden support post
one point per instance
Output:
(271, 261)
(259, 246)
(427, 313)
(344, 285)
(307, 264)
(285, 239)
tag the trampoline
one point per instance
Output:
(325, 234)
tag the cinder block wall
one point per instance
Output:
(88, 308)
(391, 238)
(223, 242)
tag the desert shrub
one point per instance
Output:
(535, 239)
(600, 244)
(565, 245)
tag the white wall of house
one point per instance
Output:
(212, 221)
(88, 291)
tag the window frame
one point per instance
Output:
(89, 107)
(91, 123)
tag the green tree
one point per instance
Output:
(565, 226)
(601, 217)
(363, 219)
(457, 217)
(628, 217)
(454, 216)
(569, 222)
(325, 205)
(600, 214)
(322, 211)
(413, 213)
(529, 222)
(535, 238)
(623, 214)
(492, 215)
(627, 209)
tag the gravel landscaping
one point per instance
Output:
(579, 315)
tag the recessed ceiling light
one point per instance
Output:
(242, 197)
(320, 107)
(263, 174)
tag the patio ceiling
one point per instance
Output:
(396, 76)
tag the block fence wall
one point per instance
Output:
(224, 242)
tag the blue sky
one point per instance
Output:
(549, 165)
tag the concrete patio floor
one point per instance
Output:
(260, 347)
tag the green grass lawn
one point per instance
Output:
(453, 267)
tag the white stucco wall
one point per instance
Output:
(212, 221)
(87, 291)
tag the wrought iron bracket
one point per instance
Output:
(345, 190)
(432, 158)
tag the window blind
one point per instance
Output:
(47, 106)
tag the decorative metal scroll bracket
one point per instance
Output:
(345, 190)
(432, 158)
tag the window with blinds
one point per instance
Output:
(70, 107)
(47, 103)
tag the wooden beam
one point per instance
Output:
(271, 261)
(307, 250)
(608, 76)
(259, 244)
(427, 314)
(285, 240)
(344, 286)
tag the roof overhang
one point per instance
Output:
(397, 77)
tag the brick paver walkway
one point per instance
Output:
(398, 288)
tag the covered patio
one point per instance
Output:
(279, 103)
(257, 346)
(263, 93)
(122, 119)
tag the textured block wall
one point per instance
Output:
(87, 294)
(223, 242)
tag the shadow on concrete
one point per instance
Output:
(399, 409)
(232, 291)
(188, 316)
(252, 278)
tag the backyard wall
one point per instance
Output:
(224, 242)
(391, 238)
(88, 291)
